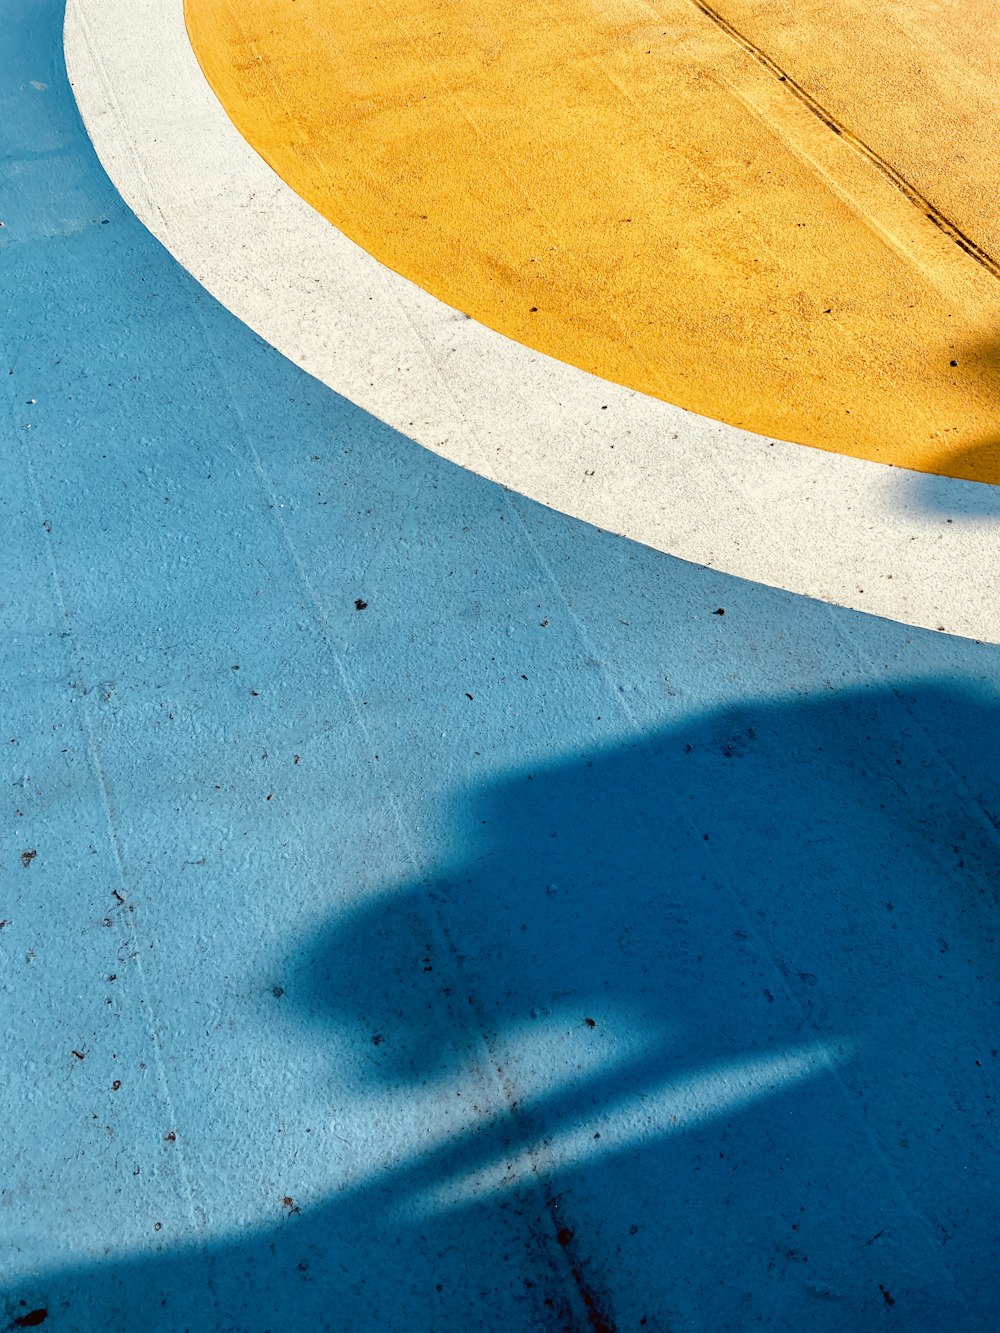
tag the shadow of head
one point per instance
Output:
(655, 888)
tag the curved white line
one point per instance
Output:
(919, 549)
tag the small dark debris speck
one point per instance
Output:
(889, 1300)
(27, 857)
(953, 363)
(590, 1022)
(116, 1085)
(80, 1055)
(277, 991)
(721, 611)
(378, 1039)
(468, 695)
(170, 1137)
(360, 604)
(32, 1319)
(564, 1235)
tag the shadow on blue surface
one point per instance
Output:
(732, 994)
(753, 951)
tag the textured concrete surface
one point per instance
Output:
(646, 192)
(916, 547)
(421, 910)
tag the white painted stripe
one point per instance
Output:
(919, 549)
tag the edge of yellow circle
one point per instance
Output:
(644, 200)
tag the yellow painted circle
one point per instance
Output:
(783, 220)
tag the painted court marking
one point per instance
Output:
(918, 548)
(420, 902)
(640, 191)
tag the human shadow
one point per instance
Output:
(722, 1000)
(724, 1003)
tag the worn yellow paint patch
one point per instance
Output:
(720, 208)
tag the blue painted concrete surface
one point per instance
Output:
(533, 948)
